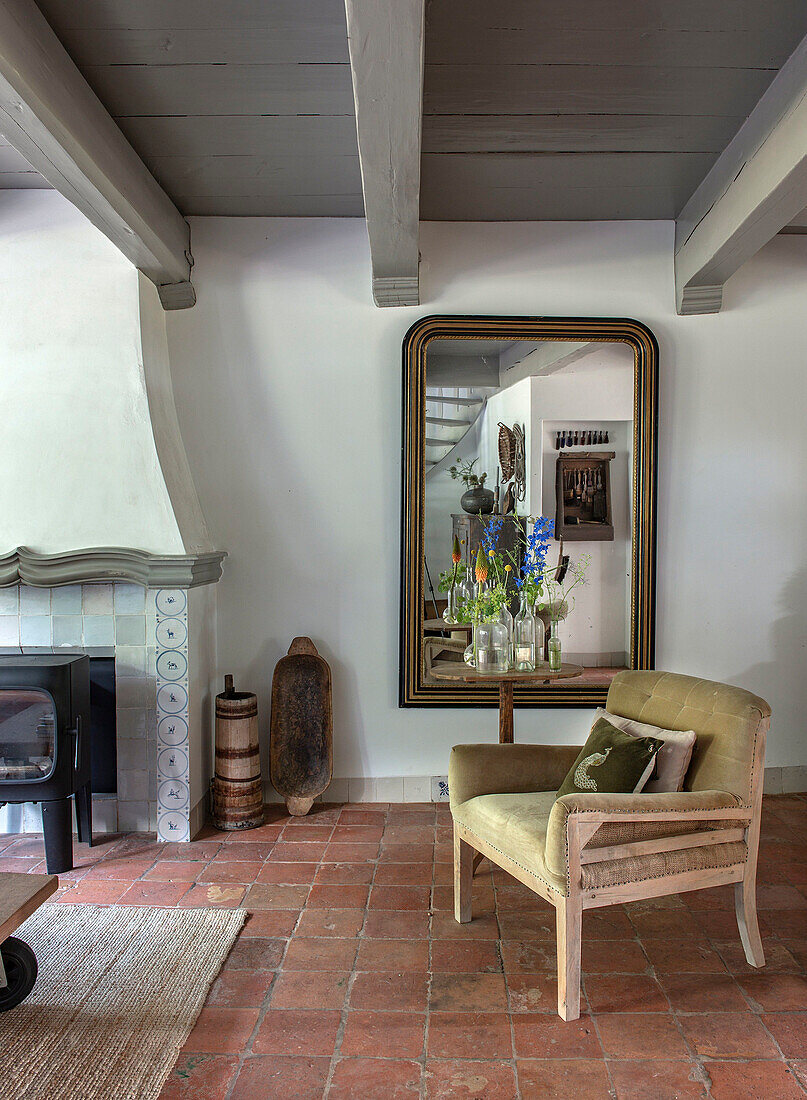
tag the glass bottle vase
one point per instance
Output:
(554, 647)
(524, 638)
(491, 648)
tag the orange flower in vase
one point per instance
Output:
(455, 551)
(481, 570)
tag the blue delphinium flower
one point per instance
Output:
(491, 535)
(537, 547)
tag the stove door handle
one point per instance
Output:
(77, 736)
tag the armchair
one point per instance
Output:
(583, 851)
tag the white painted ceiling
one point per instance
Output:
(532, 110)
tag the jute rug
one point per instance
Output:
(118, 992)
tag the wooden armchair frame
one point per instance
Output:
(736, 823)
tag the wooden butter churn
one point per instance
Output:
(237, 786)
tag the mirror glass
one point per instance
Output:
(528, 451)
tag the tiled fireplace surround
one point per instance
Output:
(147, 631)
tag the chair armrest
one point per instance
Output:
(671, 812)
(507, 769)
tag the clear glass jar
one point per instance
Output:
(524, 638)
(506, 619)
(491, 648)
(554, 647)
(458, 597)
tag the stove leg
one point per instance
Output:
(84, 814)
(57, 821)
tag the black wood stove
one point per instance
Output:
(45, 745)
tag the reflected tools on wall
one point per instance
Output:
(587, 437)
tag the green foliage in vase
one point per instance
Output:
(464, 472)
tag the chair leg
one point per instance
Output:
(569, 922)
(463, 878)
(84, 814)
(745, 906)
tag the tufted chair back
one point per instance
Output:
(725, 719)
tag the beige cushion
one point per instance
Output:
(672, 760)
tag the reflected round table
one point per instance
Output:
(453, 670)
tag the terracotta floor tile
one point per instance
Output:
(605, 924)
(407, 853)
(99, 892)
(530, 926)
(720, 925)
(275, 1078)
(672, 923)
(634, 1035)
(269, 896)
(691, 993)
(613, 957)
(469, 1035)
(153, 893)
(389, 991)
(287, 874)
(687, 956)
(778, 958)
(350, 816)
(444, 927)
(307, 988)
(409, 834)
(451, 1080)
(779, 896)
(658, 1080)
(776, 992)
(790, 1032)
(241, 871)
(174, 870)
(350, 853)
(337, 897)
(388, 924)
(468, 993)
(346, 923)
(625, 993)
(799, 1071)
(240, 988)
(320, 953)
(20, 865)
(270, 922)
(256, 953)
(297, 833)
(375, 1079)
(289, 851)
(221, 1030)
(719, 897)
(465, 956)
(395, 1034)
(195, 851)
(561, 1079)
(268, 832)
(484, 900)
(532, 992)
(545, 1036)
(348, 874)
(357, 834)
(529, 957)
(753, 1081)
(407, 816)
(129, 868)
(227, 896)
(728, 1035)
(404, 874)
(408, 898)
(196, 1075)
(388, 954)
(787, 923)
(295, 1033)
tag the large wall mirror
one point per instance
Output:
(528, 501)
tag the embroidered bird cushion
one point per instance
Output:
(611, 762)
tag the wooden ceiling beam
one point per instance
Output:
(757, 186)
(50, 115)
(385, 39)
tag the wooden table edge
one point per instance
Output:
(49, 884)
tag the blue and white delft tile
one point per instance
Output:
(173, 782)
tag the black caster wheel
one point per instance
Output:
(19, 963)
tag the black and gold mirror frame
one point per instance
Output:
(413, 692)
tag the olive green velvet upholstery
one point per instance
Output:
(505, 794)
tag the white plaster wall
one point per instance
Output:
(287, 382)
(80, 467)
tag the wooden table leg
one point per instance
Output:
(505, 713)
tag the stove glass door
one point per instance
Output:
(27, 735)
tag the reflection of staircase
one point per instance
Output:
(451, 412)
